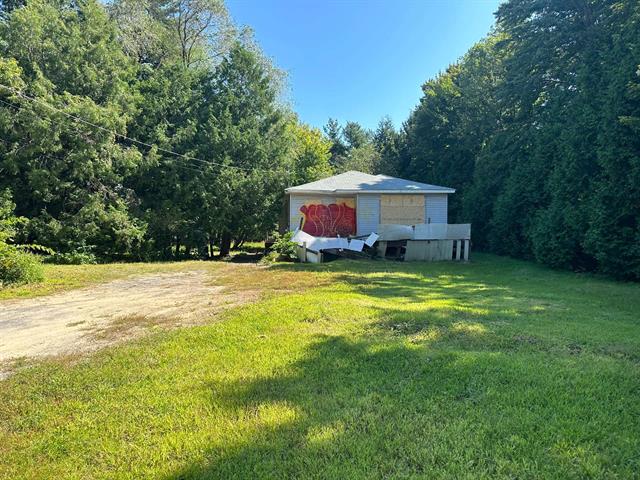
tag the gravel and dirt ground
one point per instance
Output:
(86, 319)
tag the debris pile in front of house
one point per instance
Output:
(422, 242)
(311, 249)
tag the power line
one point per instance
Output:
(50, 157)
(15, 107)
(192, 168)
(133, 140)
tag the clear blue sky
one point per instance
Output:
(362, 59)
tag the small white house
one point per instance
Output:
(356, 203)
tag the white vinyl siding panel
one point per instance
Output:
(367, 213)
(436, 208)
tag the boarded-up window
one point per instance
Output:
(348, 201)
(402, 209)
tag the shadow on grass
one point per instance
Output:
(361, 410)
(347, 410)
(439, 298)
(429, 388)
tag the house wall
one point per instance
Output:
(367, 213)
(436, 208)
(367, 209)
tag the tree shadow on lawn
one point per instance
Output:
(341, 412)
(535, 310)
(430, 392)
(364, 410)
(536, 307)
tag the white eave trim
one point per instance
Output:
(364, 192)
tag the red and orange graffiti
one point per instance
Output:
(329, 220)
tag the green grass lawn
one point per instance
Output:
(496, 368)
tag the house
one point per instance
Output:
(355, 203)
(401, 219)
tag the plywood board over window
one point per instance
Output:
(348, 201)
(402, 209)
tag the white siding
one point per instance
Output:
(368, 213)
(436, 208)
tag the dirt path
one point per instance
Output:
(84, 320)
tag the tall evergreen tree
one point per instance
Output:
(67, 175)
(246, 134)
(333, 131)
(355, 135)
(386, 141)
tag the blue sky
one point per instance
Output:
(362, 59)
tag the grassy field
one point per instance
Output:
(496, 368)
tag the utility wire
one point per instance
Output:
(133, 140)
(192, 168)
(50, 157)
(15, 107)
(57, 159)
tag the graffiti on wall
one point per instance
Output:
(329, 220)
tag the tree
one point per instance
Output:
(386, 141)
(202, 27)
(333, 131)
(351, 147)
(66, 57)
(7, 6)
(537, 129)
(363, 159)
(193, 32)
(355, 135)
(144, 31)
(244, 132)
(310, 154)
(457, 114)
(168, 118)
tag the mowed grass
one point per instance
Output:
(492, 369)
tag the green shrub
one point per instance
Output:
(17, 266)
(72, 258)
(284, 247)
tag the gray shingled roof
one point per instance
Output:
(354, 182)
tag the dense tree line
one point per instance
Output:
(156, 128)
(538, 129)
(143, 129)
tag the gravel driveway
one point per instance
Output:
(90, 318)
